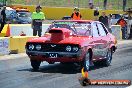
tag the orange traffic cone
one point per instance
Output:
(84, 74)
(8, 31)
(84, 80)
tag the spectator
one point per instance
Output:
(123, 24)
(105, 4)
(90, 4)
(96, 13)
(3, 18)
(76, 15)
(104, 19)
(37, 19)
(124, 5)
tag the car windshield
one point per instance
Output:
(10, 13)
(24, 14)
(78, 28)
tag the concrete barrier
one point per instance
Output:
(14, 44)
(16, 29)
(4, 46)
(116, 31)
(17, 43)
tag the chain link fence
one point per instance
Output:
(111, 4)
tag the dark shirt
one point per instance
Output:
(35, 23)
(77, 13)
(104, 20)
(3, 14)
(96, 12)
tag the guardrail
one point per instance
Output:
(52, 12)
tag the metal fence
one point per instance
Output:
(111, 4)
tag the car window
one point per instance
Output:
(78, 28)
(105, 29)
(101, 30)
(95, 31)
(24, 14)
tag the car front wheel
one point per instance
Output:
(108, 59)
(86, 63)
(35, 64)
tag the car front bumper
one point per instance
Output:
(55, 56)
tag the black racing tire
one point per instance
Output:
(35, 64)
(86, 62)
(108, 59)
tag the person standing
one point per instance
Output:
(3, 18)
(96, 13)
(76, 15)
(124, 4)
(37, 18)
(123, 24)
(104, 19)
(91, 6)
(105, 4)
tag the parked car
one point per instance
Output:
(23, 18)
(17, 16)
(83, 42)
(66, 18)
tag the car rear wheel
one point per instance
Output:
(108, 59)
(86, 62)
(35, 64)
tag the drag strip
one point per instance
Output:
(17, 72)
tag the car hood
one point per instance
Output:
(80, 40)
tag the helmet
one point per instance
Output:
(38, 7)
(76, 8)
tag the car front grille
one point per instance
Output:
(51, 47)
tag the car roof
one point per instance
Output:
(75, 21)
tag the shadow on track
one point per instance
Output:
(61, 68)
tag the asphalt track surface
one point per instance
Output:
(17, 72)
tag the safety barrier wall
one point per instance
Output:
(13, 44)
(57, 13)
(116, 31)
(4, 46)
(16, 29)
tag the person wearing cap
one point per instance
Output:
(3, 18)
(123, 25)
(76, 15)
(37, 19)
(96, 13)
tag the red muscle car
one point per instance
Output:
(83, 42)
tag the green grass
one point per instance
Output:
(112, 4)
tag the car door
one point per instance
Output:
(96, 41)
(104, 40)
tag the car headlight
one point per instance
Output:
(75, 49)
(31, 47)
(38, 47)
(68, 48)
